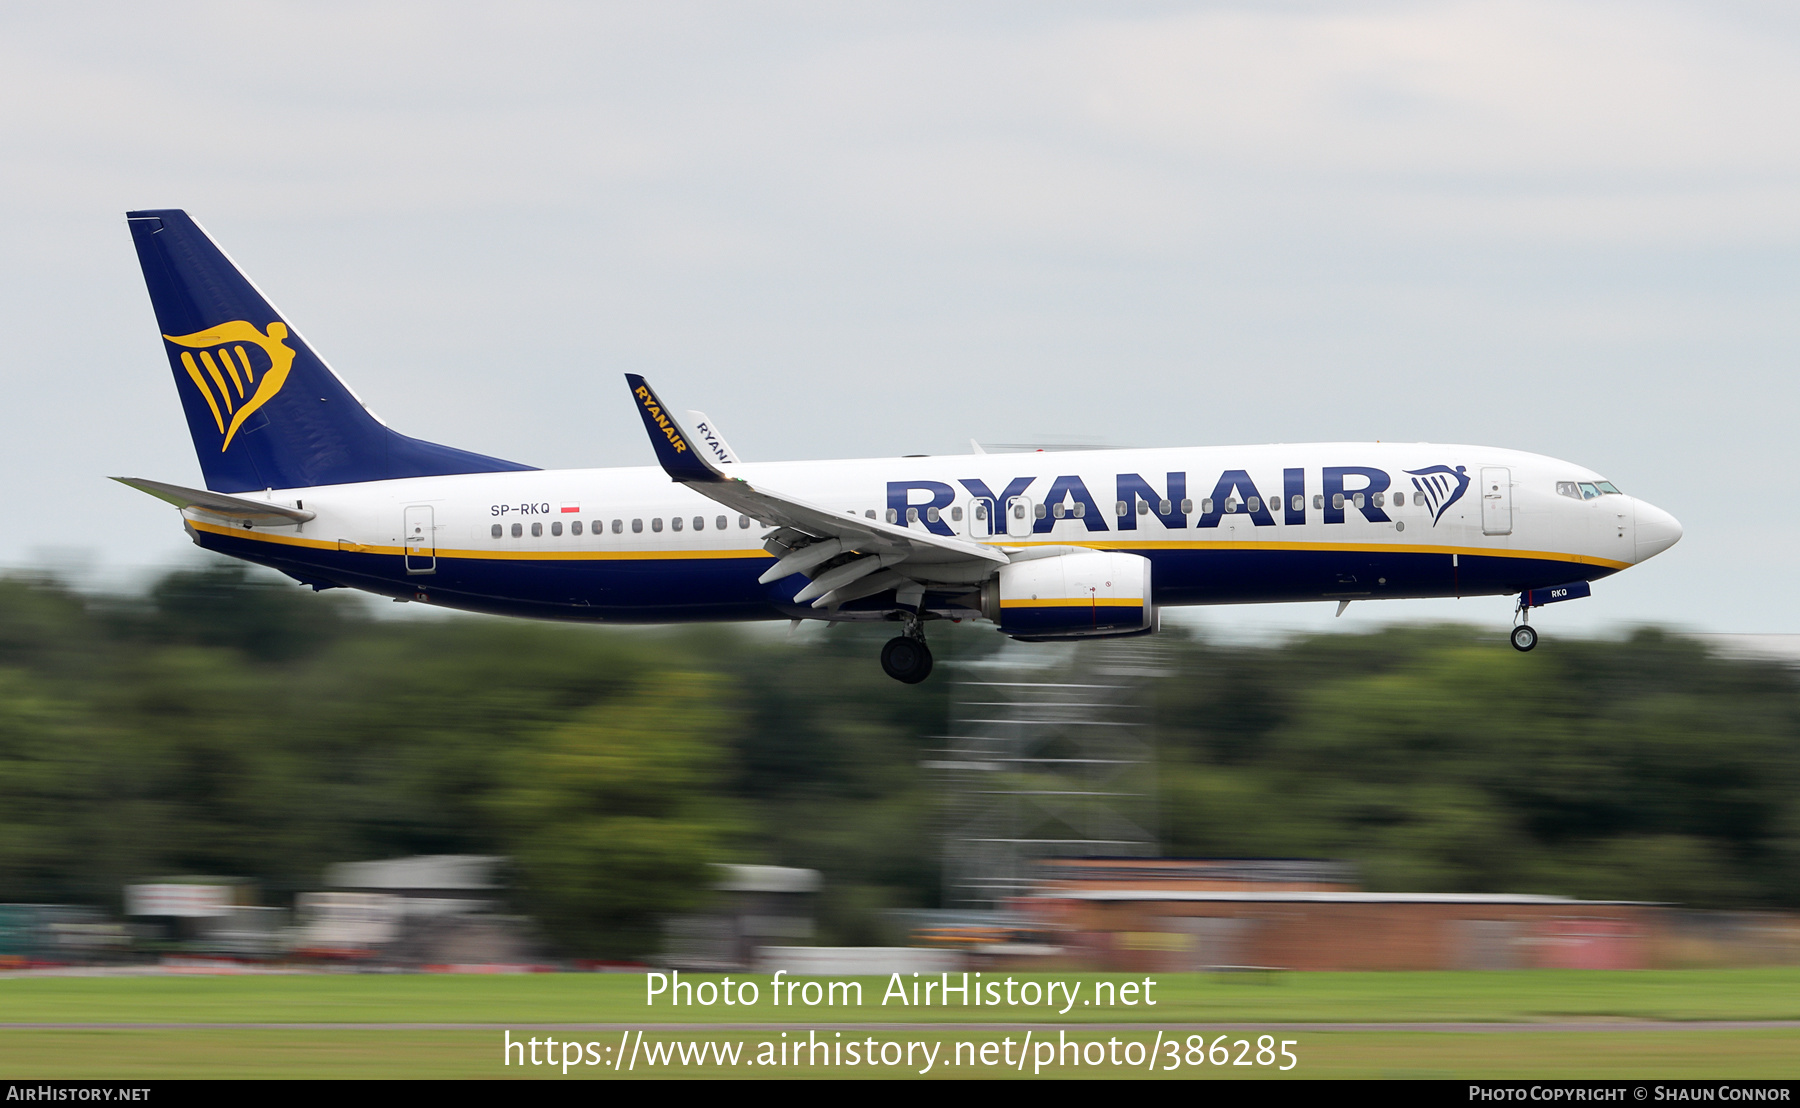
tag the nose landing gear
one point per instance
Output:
(1523, 637)
(906, 657)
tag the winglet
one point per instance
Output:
(673, 448)
(712, 440)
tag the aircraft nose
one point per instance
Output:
(1657, 530)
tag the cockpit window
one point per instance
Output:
(1609, 488)
(1589, 491)
(1569, 489)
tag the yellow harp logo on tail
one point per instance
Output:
(226, 374)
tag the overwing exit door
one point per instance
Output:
(978, 519)
(418, 540)
(1020, 517)
(1496, 500)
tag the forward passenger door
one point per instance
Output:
(1496, 500)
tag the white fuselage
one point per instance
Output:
(1220, 524)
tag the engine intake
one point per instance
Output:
(1092, 594)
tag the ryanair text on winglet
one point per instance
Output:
(656, 413)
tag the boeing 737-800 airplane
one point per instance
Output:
(1046, 546)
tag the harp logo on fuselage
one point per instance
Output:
(237, 369)
(1441, 487)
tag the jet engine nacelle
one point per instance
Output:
(1090, 594)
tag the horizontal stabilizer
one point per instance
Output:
(219, 504)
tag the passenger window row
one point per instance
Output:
(598, 526)
(1122, 508)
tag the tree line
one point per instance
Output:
(225, 722)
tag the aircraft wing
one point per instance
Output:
(219, 504)
(811, 535)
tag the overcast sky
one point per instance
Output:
(876, 229)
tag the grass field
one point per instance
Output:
(1519, 998)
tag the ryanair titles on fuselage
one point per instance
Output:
(1338, 490)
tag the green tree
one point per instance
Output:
(612, 816)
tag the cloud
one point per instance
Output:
(1141, 130)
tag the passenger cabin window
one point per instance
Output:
(1057, 510)
(537, 530)
(575, 528)
(870, 514)
(1038, 511)
(1230, 505)
(517, 530)
(699, 523)
(556, 528)
(893, 516)
(637, 526)
(1187, 507)
(674, 523)
(618, 526)
(1319, 500)
(956, 514)
(719, 523)
(981, 510)
(1298, 503)
(1206, 506)
(744, 521)
(1143, 507)
(1337, 501)
(1253, 504)
(496, 530)
(932, 515)
(656, 524)
(1399, 500)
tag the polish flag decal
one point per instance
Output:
(571, 509)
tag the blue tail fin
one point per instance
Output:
(264, 410)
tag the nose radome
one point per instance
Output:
(1657, 530)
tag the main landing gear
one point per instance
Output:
(906, 657)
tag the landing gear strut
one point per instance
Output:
(906, 657)
(1523, 637)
